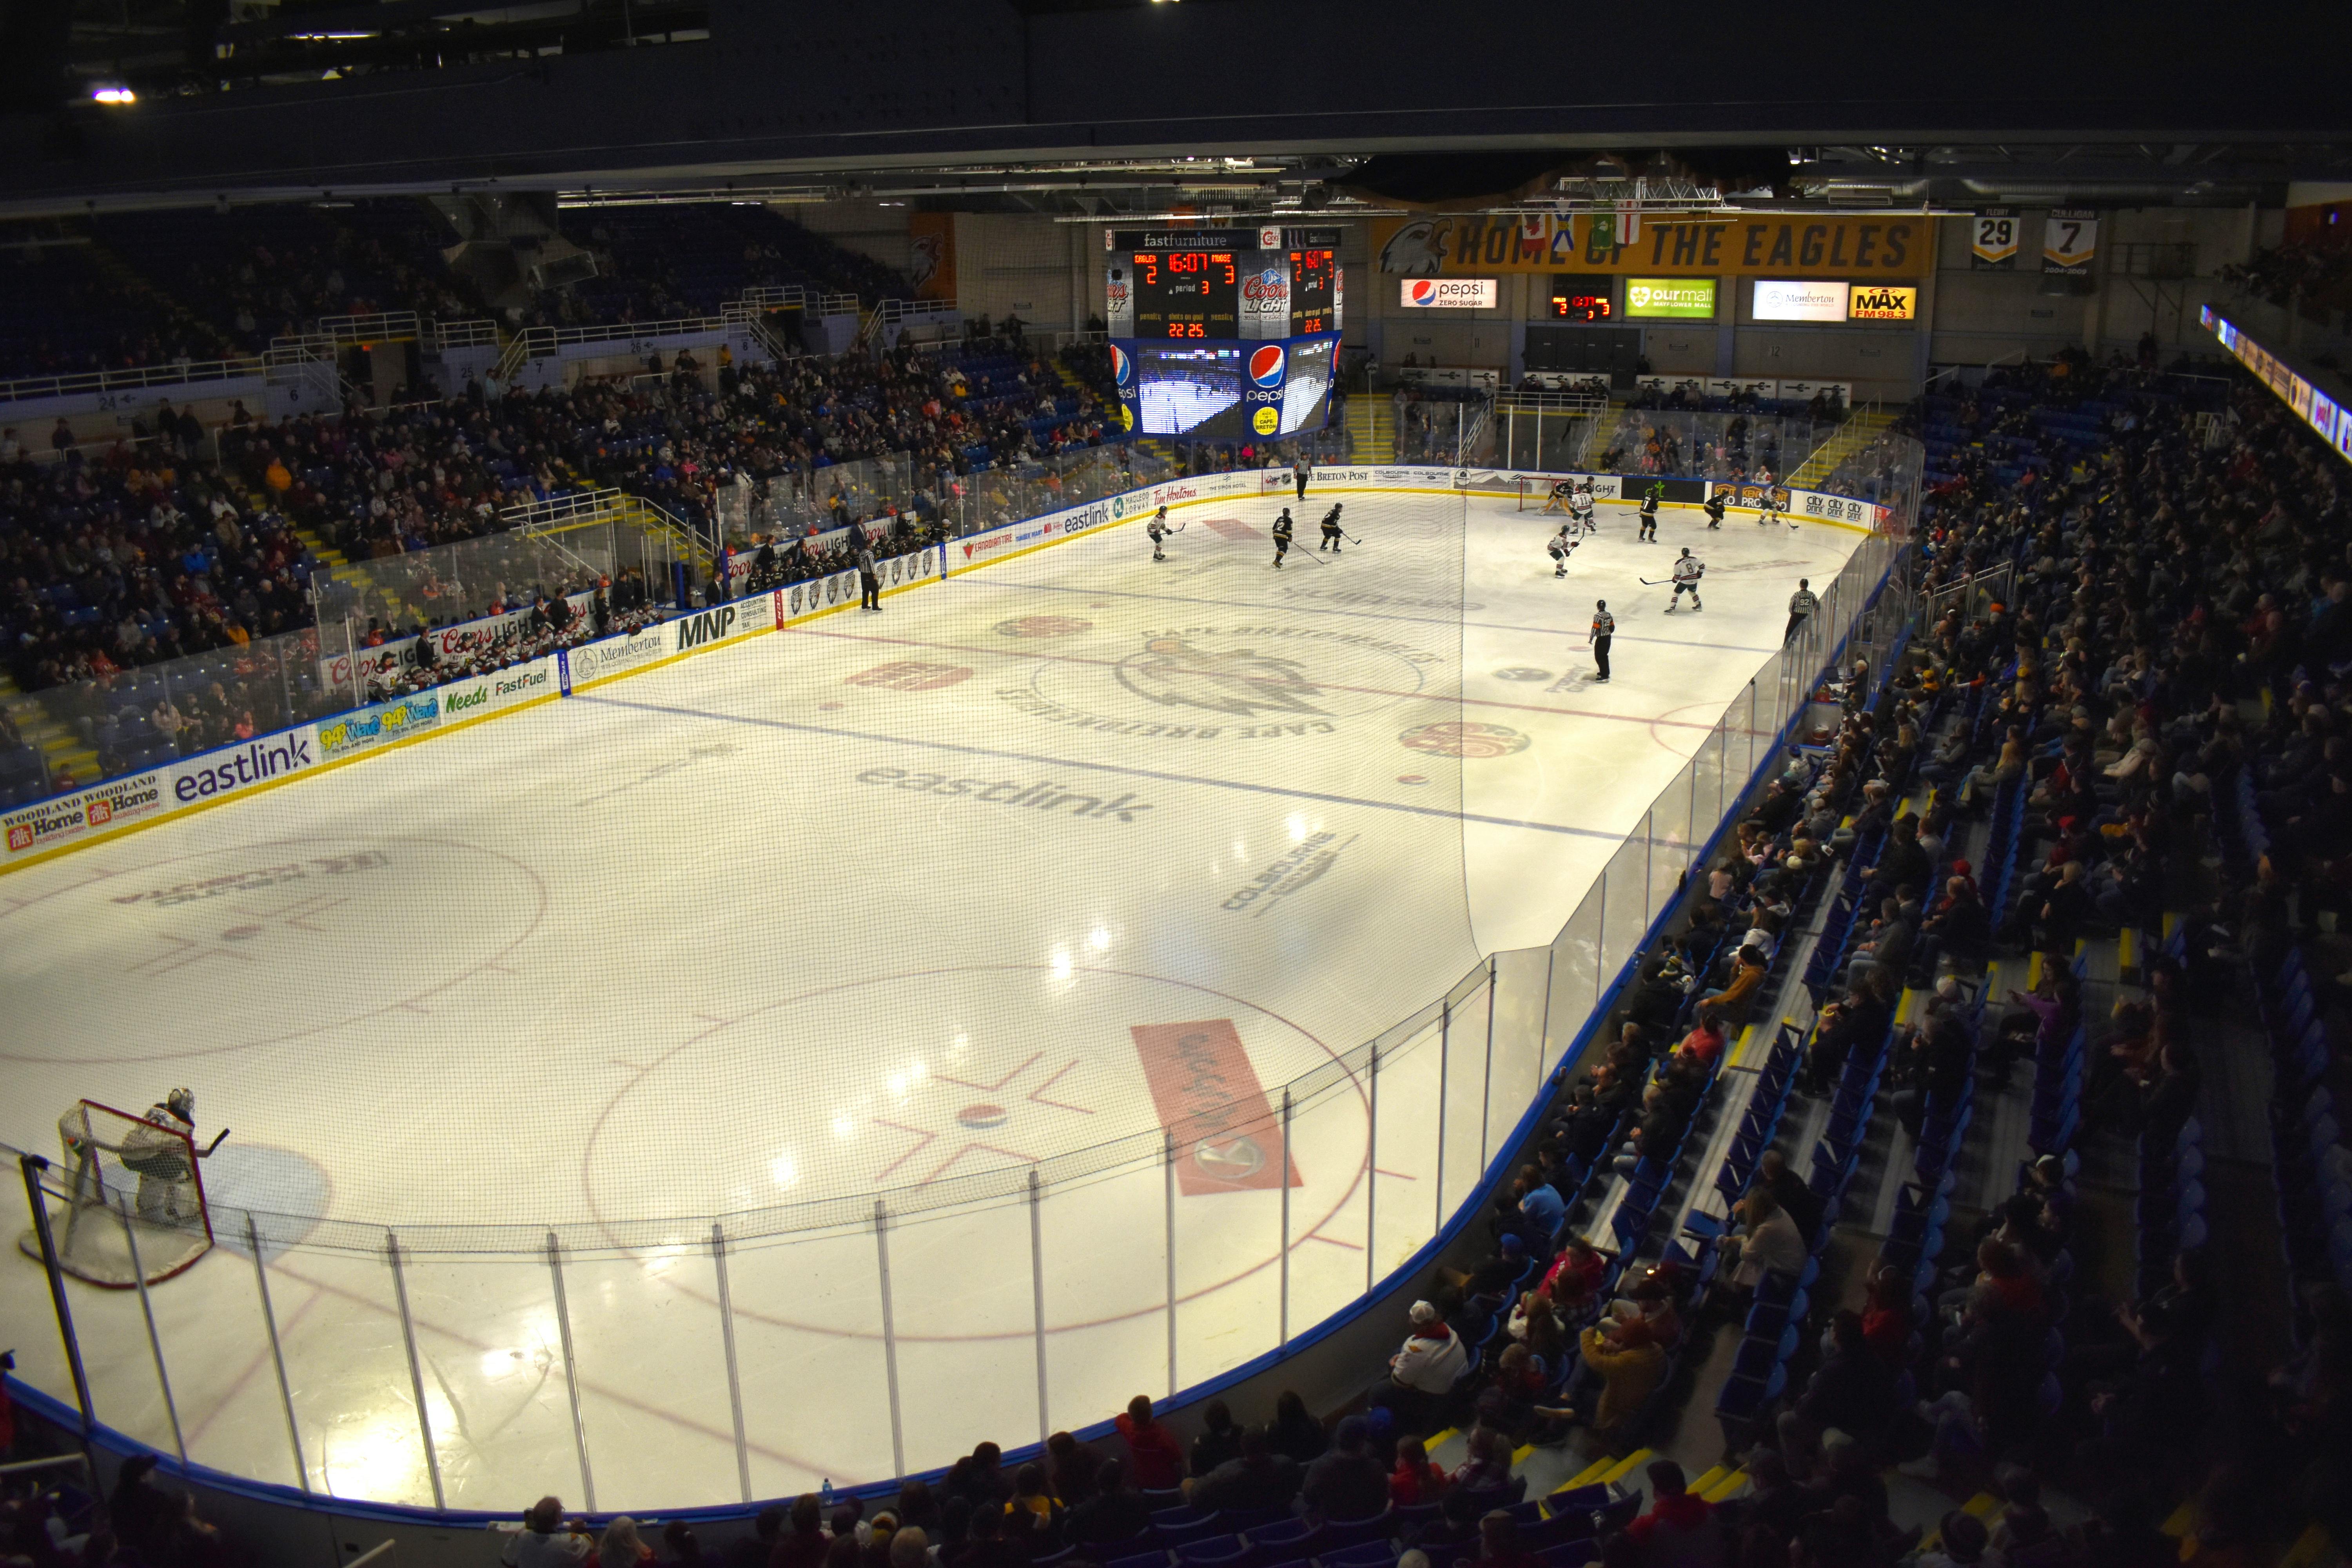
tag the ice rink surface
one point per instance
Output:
(894, 904)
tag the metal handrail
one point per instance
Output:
(539, 342)
(132, 376)
(907, 312)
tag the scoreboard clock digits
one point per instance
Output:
(1310, 290)
(1187, 294)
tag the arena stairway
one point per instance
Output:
(59, 745)
(123, 275)
(1371, 430)
(1859, 430)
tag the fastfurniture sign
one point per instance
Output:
(1447, 293)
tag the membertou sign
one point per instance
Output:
(1882, 302)
(1447, 293)
(1806, 300)
(1675, 299)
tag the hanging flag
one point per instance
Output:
(2070, 239)
(1993, 246)
(1629, 223)
(1604, 232)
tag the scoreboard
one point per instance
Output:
(1249, 284)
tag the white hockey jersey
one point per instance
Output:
(1689, 569)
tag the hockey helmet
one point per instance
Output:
(181, 1103)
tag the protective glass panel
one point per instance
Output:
(1576, 978)
(1106, 1279)
(1404, 1216)
(660, 1428)
(493, 1360)
(339, 1319)
(813, 1358)
(1625, 906)
(1522, 986)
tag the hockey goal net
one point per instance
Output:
(1535, 492)
(127, 1201)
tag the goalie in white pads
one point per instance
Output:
(1561, 546)
(1562, 495)
(1688, 570)
(167, 1193)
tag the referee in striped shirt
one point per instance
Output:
(1801, 605)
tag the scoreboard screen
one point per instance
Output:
(1186, 294)
(1311, 273)
(1255, 284)
(1583, 297)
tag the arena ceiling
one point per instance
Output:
(1081, 107)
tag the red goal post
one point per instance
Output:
(126, 1203)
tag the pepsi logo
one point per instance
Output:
(1266, 366)
(1422, 292)
(1120, 369)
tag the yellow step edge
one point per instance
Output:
(1904, 1003)
(2125, 944)
(1981, 1505)
(1626, 1466)
(2184, 1517)
(2309, 1547)
(1724, 1489)
(1709, 1479)
(2033, 971)
(1434, 1438)
(1587, 1476)
(1520, 1456)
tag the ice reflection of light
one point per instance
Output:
(784, 1170)
(1100, 939)
(842, 1127)
(1061, 965)
(1297, 826)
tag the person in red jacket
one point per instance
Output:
(1156, 1459)
(1680, 1531)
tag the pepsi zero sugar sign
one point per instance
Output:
(1447, 293)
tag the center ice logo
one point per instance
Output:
(1265, 366)
(1239, 682)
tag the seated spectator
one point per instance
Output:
(1768, 1243)
(1256, 1478)
(1155, 1456)
(1112, 1517)
(621, 1546)
(1679, 1529)
(804, 1546)
(1487, 1465)
(1033, 1514)
(1415, 1480)
(1498, 1542)
(1220, 1439)
(1424, 1368)
(548, 1538)
(1293, 1433)
(1347, 1483)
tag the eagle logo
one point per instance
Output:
(1241, 683)
(1418, 249)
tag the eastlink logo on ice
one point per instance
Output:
(252, 765)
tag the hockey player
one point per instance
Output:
(1562, 496)
(1713, 510)
(166, 1184)
(1768, 505)
(1562, 545)
(1579, 509)
(1283, 530)
(1650, 515)
(1332, 532)
(1688, 570)
(1159, 531)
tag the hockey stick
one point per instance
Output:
(206, 1153)
(1659, 583)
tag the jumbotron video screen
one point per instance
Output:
(1222, 334)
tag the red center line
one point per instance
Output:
(1225, 675)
